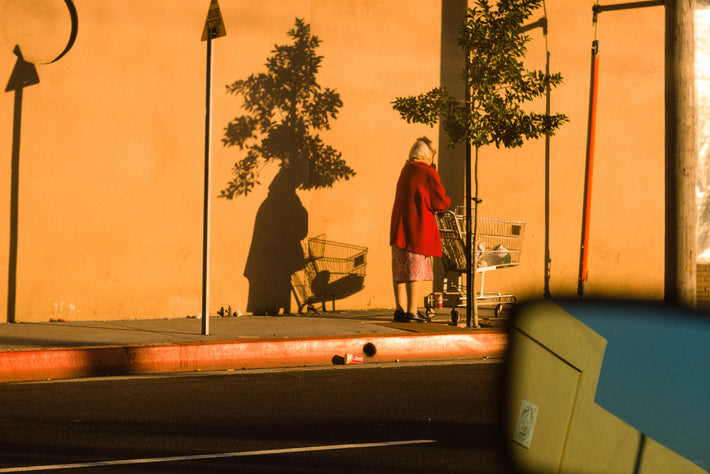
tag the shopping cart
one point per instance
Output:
(498, 245)
(333, 271)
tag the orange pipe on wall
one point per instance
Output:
(587, 209)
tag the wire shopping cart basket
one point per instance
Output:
(498, 245)
(333, 271)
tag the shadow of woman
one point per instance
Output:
(276, 252)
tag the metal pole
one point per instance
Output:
(206, 208)
(470, 270)
(680, 252)
(473, 232)
(470, 296)
(548, 260)
(587, 208)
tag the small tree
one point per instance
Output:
(497, 85)
(286, 106)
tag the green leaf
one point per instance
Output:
(499, 85)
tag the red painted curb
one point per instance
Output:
(18, 366)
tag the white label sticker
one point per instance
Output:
(526, 424)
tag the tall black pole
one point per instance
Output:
(206, 207)
(473, 232)
(470, 296)
(548, 259)
(214, 28)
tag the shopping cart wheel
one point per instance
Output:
(499, 310)
(429, 311)
(454, 317)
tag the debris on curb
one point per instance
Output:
(348, 359)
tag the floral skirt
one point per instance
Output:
(408, 266)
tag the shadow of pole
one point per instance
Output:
(23, 75)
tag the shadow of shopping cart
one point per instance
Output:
(333, 271)
(498, 245)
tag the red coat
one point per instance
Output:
(419, 195)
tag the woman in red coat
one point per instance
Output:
(414, 235)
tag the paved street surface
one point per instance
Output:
(385, 418)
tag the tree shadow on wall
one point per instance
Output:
(286, 107)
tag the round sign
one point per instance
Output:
(44, 30)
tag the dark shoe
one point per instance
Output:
(417, 318)
(424, 316)
(400, 317)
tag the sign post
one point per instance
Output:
(214, 28)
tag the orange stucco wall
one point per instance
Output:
(112, 146)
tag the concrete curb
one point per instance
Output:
(45, 364)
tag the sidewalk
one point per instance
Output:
(52, 350)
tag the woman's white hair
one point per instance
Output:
(422, 150)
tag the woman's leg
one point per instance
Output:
(405, 296)
(412, 288)
(400, 295)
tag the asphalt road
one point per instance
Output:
(415, 418)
